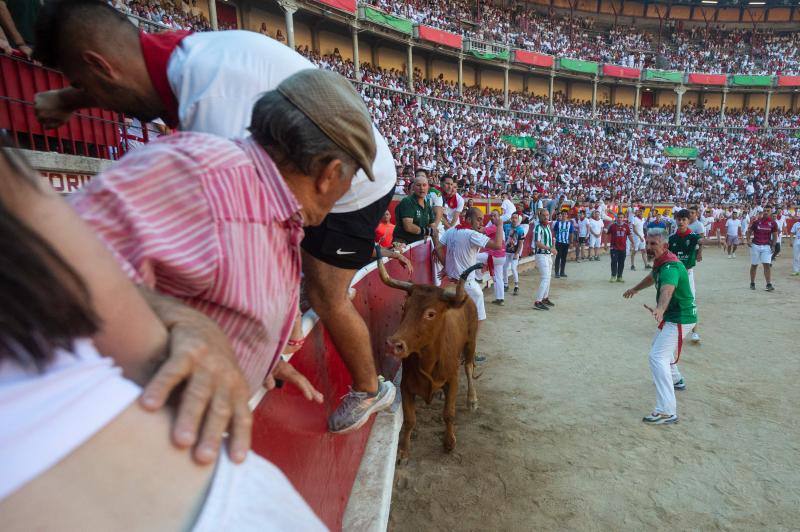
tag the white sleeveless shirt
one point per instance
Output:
(45, 416)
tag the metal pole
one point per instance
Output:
(460, 75)
(722, 107)
(680, 91)
(766, 111)
(594, 98)
(505, 87)
(550, 94)
(637, 102)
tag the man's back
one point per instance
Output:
(462, 249)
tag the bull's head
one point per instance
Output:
(423, 311)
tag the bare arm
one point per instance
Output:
(54, 108)
(410, 227)
(9, 30)
(644, 283)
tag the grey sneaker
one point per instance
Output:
(356, 407)
(660, 419)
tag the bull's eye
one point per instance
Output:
(430, 314)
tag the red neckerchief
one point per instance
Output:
(663, 259)
(687, 232)
(157, 49)
(464, 225)
(452, 201)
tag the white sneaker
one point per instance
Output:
(734, 255)
(695, 337)
(730, 256)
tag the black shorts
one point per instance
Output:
(346, 240)
(582, 239)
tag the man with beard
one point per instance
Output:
(674, 308)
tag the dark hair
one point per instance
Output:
(291, 137)
(44, 304)
(683, 213)
(61, 23)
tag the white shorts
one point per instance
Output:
(475, 293)
(638, 243)
(760, 254)
(594, 241)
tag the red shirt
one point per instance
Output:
(762, 231)
(618, 233)
(384, 234)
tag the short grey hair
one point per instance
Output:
(657, 232)
(290, 137)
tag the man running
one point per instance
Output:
(543, 244)
(764, 233)
(674, 308)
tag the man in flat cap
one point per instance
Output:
(217, 223)
(208, 82)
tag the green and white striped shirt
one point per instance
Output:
(543, 234)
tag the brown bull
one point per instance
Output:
(438, 331)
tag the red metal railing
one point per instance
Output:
(90, 132)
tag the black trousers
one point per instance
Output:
(617, 262)
(561, 258)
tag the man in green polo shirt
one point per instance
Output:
(675, 308)
(413, 216)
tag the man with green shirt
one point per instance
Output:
(686, 244)
(413, 215)
(674, 309)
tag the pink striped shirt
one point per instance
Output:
(212, 222)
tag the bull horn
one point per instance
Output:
(460, 294)
(388, 281)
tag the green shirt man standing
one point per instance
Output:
(413, 215)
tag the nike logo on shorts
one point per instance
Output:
(340, 252)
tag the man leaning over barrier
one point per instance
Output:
(208, 82)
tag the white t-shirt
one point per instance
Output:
(796, 232)
(583, 227)
(638, 227)
(733, 226)
(781, 223)
(217, 76)
(462, 249)
(508, 209)
(595, 226)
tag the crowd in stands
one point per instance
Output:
(579, 158)
(178, 15)
(709, 48)
(691, 115)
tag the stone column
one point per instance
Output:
(461, 75)
(505, 87)
(766, 110)
(680, 90)
(722, 107)
(356, 58)
(637, 101)
(289, 9)
(212, 14)
(550, 93)
(410, 67)
(594, 98)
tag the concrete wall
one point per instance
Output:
(539, 86)
(581, 91)
(783, 100)
(712, 100)
(492, 78)
(395, 58)
(447, 68)
(667, 97)
(328, 41)
(735, 101)
(514, 82)
(758, 101)
(625, 96)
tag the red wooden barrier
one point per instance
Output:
(292, 432)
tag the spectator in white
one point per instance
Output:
(595, 235)
(582, 230)
(733, 234)
(452, 203)
(508, 207)
(796, 248)
(637, 231)
(780, 221)
(515, 240)
(462, 247)
(495, 259)
(544, 246)
(208, 82)
(71, 421)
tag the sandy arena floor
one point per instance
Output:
(558, 442)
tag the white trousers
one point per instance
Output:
(665, 373)
(796, 255)
(544, 263)
(511, 266)
(474, 291)
(498, 278)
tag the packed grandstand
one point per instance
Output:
(601, 106)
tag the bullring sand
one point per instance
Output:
(558, 442)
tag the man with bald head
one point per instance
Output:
(414, 215)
